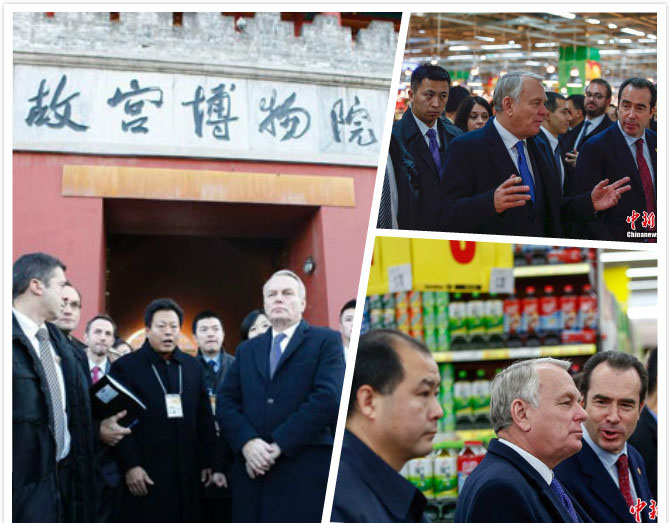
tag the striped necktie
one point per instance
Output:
(55, 397)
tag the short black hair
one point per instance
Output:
(351, 304)
(578, 101)
(248, 322)
(620, 361)
(550, 103)
(461, 118)
(105, 317)
(432, 72)
(204, 315)
(605, 84)
(652, 370)
(378, 363)
(162, 304)
(457, 94)
(36, 265)
(640, 83)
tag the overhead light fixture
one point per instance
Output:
(309, 266)
(459, 48)
(592, 21)
(422, 31)
(625, 41)
(551, 78)
(492, 47)
(609, 51)
(563, 14)
(546, 44)
(653, 37)
(642, 272)
(601, 42)
(630, 31)
(627, 256)
(532, 63)
(511, 42)
(575, 80)
(433, 61)
(474, 80)
(564, 90)
(612, 26)
(485, 38)
(544, 54)
(646, 40)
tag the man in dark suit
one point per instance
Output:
(169, 452)
(278, 404)
(480, 185)
(536, 415)
(392, 418)
(608, 475)
(576, 108)
(208, 331)
(628, 149)
(52, 469)
(555, 125)
(425, 136)
(597, 97)
(68, 320)
(645, 437)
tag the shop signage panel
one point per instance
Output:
(95, 111)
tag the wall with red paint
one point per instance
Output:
(73, 228)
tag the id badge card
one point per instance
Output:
(173, 406)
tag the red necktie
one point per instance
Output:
(96, 374)
(645, 176)
(624, 480)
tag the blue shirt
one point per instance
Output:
(368, 490)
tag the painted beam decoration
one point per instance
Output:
(98, 111)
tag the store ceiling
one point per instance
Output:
(536, 40)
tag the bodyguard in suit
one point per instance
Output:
(425, 136)
(536, 415)
(169, 452)
(52, 468)
(625, 149)
(498, 179)
(278, 404)
(597, 97)
(68, 320)
(608, 475)
(645, 437)
(555, 125)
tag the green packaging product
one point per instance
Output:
(441, 299)
(376, 318)
(428, 314)
(456, 317)
(445, 470)
(428, 298)
(474, 315)
(442, 339)
(420, 474)
(430, 339)
(375, 301)
(414, 300)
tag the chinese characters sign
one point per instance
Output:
(145, 113)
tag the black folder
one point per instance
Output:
(109, 397)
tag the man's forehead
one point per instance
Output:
(165, 315)
(102, 323)
(281, 282)
(209, 322)
(636, 94)
(434, 85)
(70, 293)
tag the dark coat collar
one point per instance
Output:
(147, 351)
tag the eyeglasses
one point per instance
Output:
(596, 96)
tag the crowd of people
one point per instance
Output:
(219, 437)
(530, 163)
(562, 453)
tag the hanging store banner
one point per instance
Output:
(96, 111)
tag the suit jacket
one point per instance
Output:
(477, 164)
(607, 155)
(295, 409)
(541, 137)
(645, 440)
(427, 187)
(587, 480)
(172, 451)
(568, 143)
(504, 488)
(35, 492)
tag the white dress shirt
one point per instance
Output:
(553, 143)
(630, 140)
(30, 329)
(595, 122)
(102, 366)
(541, 468)
(424, 129)
(289, 334)
(510, 142)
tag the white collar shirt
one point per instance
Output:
(510, 142)
(541, 468)
(288, 335)
(423, 128)
(102, 366)
(630, 140)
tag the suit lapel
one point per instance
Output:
(504, 163)
(412, 135)
(601, 484)
(651, 143)
(262, 353)
(624, 157)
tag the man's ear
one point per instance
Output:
(520, 414)
(366, 401)
(36, 287)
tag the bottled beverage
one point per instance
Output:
(457, 327)
(587, 308)
(474, 321)
(550, 316)
(445, 469)
(469, 457)
(569, 309)
(512, 321)
(481, 401)
(531, 317)
(462, 404)
(493, 321)
(420, 474)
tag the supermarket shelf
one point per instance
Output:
(585, 349)
(560, 269)
(476, 434)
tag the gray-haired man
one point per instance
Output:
(499, 179)
(536, 414)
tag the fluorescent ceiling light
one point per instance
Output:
(646, 40)
(612, 26)
(627, 256)
(653, 37)
(610, 51)
(456, 58)
(625, 41)
(485, 38)
(630, 31)
(532, 63)
(492, 47)
(642, 272)
(643, 312)
(643, 285)
(641, 51)
(592, 21)
(459, 48)
(563, 14)
(546, 44)
(544, 54)
(601, 42)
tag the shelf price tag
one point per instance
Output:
(502, 281)
(400, 278)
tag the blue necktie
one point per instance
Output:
(565, 500)
(434, 149)
(526, 177)
(212, 365)
(583, 136)
(275, 352)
